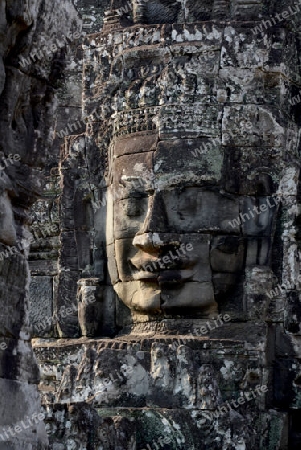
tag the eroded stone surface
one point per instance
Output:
(27, 109)
(192, 139)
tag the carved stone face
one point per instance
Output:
(177, 248)
(203, 176)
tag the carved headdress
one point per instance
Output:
(184, 80)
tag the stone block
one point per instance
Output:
(65, 305)
(89, 303)
(141, 142)
(41, 306)
(227, 254)
(196, 161)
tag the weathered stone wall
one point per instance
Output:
(162, 83)
(47, 266)
(31, 67)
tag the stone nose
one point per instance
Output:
(144, 242)
(156, 220)
(151, 242)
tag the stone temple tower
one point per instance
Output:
(183, 330)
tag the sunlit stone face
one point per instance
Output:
(177, 248)
(196, 148)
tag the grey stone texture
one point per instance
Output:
(28, 82)
(171, 282)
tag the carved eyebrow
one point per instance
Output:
(131, 178)
(137, 182)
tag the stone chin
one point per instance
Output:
(153, 298)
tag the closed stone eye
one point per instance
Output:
(132, 207)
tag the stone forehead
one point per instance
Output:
(244, 170)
